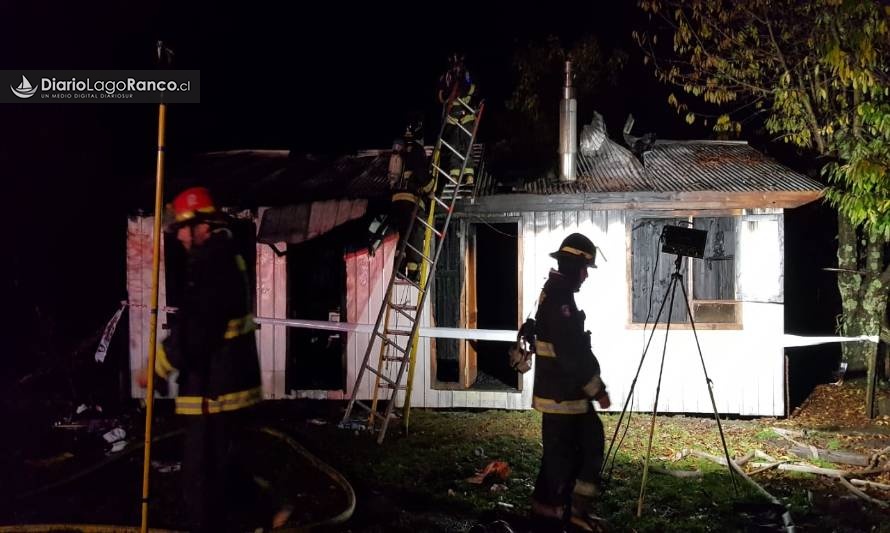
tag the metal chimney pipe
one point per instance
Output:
(568, 129)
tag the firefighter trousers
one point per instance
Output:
(213, 476)
(573, 450)
(402, 216)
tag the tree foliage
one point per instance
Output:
(814, 74)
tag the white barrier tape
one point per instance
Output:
(797, 340)
(439, 333)
(102, 350)
(504, 334)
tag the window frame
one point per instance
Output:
(689, 278)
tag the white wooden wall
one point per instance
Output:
(139, 265)
(745, 365)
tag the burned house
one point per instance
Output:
(312, 261)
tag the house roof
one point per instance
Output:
(693, 174)
(672, 174)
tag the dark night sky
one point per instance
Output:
(320, 76)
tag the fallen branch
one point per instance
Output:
(741, 461)
(763, 455)
(870, 471)
(864, 496)
(677, 473)
(709, 457)
(786, 516)
(847, 458)
(792, 467)
(766, 467)
(864, 483)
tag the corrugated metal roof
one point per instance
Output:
(719, 166)
(671, 166)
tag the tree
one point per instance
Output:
(539, 66)
(814, 74)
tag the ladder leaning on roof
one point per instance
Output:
(399, 344)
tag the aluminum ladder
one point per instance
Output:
(398, 345)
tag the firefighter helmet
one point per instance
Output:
(577, 246)
(192, 205)
(414, 129)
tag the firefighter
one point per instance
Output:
(212, 346)
(411, 184)
(456, 88)
(567, 379)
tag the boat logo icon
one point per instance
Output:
(24, 90)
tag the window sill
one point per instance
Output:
(709, 326)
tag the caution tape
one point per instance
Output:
(788, 340)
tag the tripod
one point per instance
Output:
(676, 280)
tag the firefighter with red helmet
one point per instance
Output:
(456, 93)
(567, 380)
(211, 349)
(411, 183)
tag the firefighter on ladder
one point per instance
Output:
(211, 350)
(456, 88)
(567, 380)
(411, 183)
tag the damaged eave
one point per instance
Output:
(639, 200)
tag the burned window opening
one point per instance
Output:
(316, 289)
(496, 291)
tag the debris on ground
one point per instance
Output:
(493, 471)
(166, 467)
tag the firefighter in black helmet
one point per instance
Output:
(567, 380)
(411, 184)
(456, 88)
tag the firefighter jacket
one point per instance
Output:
(567, 374)
(415, 181)
(457, 85)
(212, 342)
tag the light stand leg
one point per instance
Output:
(633, 385)
(710, 392)
(673, 290)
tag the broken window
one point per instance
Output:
(709, 282)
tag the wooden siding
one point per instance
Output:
(746, 365)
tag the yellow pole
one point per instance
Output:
(424, 274)
(153, 319)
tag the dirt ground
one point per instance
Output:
(418, 482)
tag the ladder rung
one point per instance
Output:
(406, 307)
(402, 280)
(391, 358)
(392, 385)
(404, 314)
(468, 132)
(380, 375)
(387, 341)
(446, 175)
(434, 230)
(425, 258)
(363, 406)
(470, 109)
(442, 203)
(458, 154)
(402, 332)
